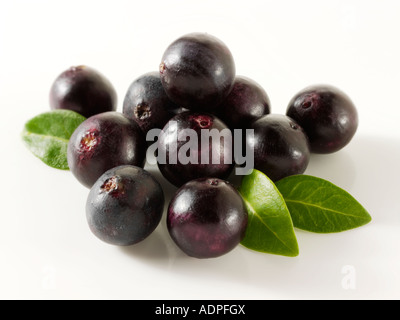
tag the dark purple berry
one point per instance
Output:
(280, 146)
(207, 218)
(124, 206)
(102, 142)
(327, 115)
(188, 149)
(84, 90)
(246, 103)
(147, 103)
(197, 71)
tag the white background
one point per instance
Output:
(46, 248)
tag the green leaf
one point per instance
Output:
(270, 228)
(318, 205)
(47, 136)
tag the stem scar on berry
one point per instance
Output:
(162, 67)
(203, 121)
(113, 186)
(213, 182)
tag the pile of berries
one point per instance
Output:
(195, 89)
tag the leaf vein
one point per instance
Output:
(46, 136)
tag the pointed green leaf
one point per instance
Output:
(318, 205)
(47, 136)
(270, 228)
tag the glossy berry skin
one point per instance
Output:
(197, 71)
(246, 103)
(176, 143)
(327, 115)
(207, 218)
(280, 146)
(124, 206)
(102, 142)
(84, 90)
(147, 103)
